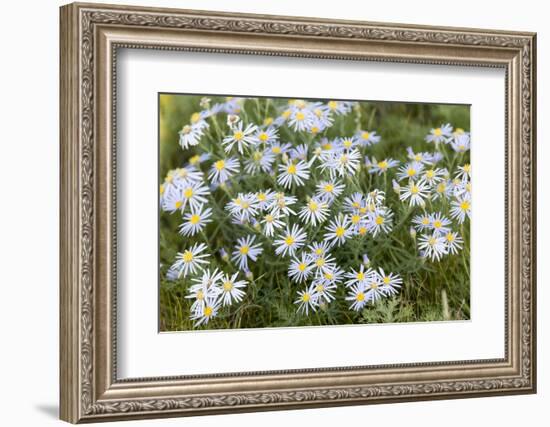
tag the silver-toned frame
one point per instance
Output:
(90, 37)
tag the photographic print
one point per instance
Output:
(279, 212)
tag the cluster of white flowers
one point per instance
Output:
(309, 203)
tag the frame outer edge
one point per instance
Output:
(69, 355)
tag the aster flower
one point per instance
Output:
(359, 276)
(339, 107)
(380, 221)
(307, 300)
(191, 260)
(194, 195)
(410, 170)
(314, 212)
(246, 249)
(190, 135)
(290, 241)
(300, 268)
(260, 160)
(243, 207)
(390, 283)
(267, 136)
(223, 169)
(338, 231)
(454, 242)
(367, 138)
(195, 221)
(271, 222)
(203, 289)
(440, 134)
(439, 224)
(461, 143)
(244, 138)
(461, 208)
(415, 193)
(281, 204)
(382, 166)
(211, 308)
(329, 190)
(293, 174)
(433, 246)
(232, 289)
(357, 295)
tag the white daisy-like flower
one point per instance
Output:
(195, 221)
(461, 208)
(330, 276)
(347, 143)
(464, 171)
(390, 283)
(293, 173)
(190, 135)
(461, 143)
(380, 166)
(374, 288)
(343, 163)
(358, 296)
(421, 157)
(299, 153)
(307, 300)
(338, 231)
(260, 160)
(211, 308)
(354, 202)
(415, 193)
(182, 177)
(243, 207)
(422, 222)
(204, 288)
(197, 159)
(433, 246)
(300, 119)
(194, 195)
(329, 190)
(359, 276)
(246, 249)
(411, 170)
(190, 260)
(300, 268)
(314, 212)
(232, 289)
(340, 107)
(264, 198)
(290, 241)
(268, 135)
(271, 222)
(172, 199)
(278, 148)
(375, 197)
(440, 134)
(379, 221)
(434, 176)
(442, 190)
(223, 169)
(281, 204)
(454, 242)
(244, 138)
(439, 223)
(367, 138)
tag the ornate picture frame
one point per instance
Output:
(90, 37)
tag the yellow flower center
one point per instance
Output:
(268, 218)
(227, 286)
(379, 220)
(257, 156)
(300, 116)
(441, 187)
(219, 165)
(374, 285)
(347, 143)
(195, 117)
(340, 231)
(208, 311)
(320, 262)
(333, 105)
(415, 189)
(306, 297)
(465, 205)
(276, 149)
(200, 295)
(188, 193)
(286, 114)
(195, 159)
(437, 224)
(327, 146)
(329, 276)
(362, 230)
(360, 276)
(291, 169)
(438, 132)
(186, 129)
(169, 179)
(432, 241)
(314, 130)
(302, 267)
(425, 220)
(450, 237)
(386, 280)
(365, 135)
(264, 137)
(383, 164)
(360, 296)
(430, 173)
(161, 189)
(459, 131)
(319, 288)
(238, 136)
(411, 172)
(195, 219)
(329, 188)
(261, 197)
(313, 206)
(318, 251)
(466, 168)
(244, 249)
(355, 219)
(187, 256)
(178, 204)
(268, 121)
(289, 240)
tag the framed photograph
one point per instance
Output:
(267, 212)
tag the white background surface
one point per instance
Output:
(29, 169)
(143, 352)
